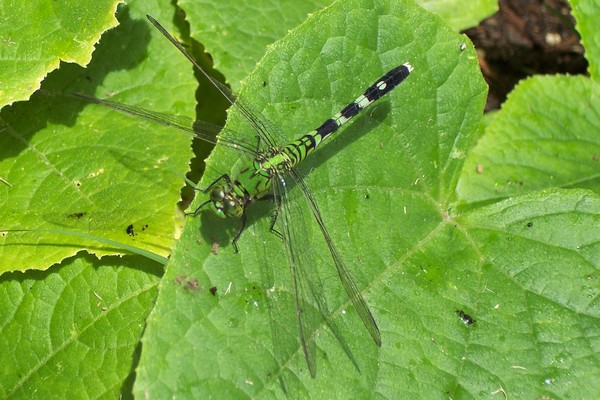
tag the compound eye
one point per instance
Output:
(230, 207)
(217, 195)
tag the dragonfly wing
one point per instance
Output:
(199, 129)
(259, 123)
(290, 228)
(349, 285)
(295, 222)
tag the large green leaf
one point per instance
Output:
(383, 186)
(36, 35)
(537, 293)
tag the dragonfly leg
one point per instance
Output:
(197, 210)
(239, 232)
(258, 139)
(274, 216)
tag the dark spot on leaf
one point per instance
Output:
(179, 279)
(466, 318)
(511, 182)
(77, 215)
(529, 224)
(191, 285)
(213, 290)
(130, 230)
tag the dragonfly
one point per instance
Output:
(272, 174)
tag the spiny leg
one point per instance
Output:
(274, 217)
(239, 232)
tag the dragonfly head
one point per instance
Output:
(225, 203)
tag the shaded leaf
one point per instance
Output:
(80, 167)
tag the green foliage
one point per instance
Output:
(73, 330)
(67, 31)
(545, 136)
(522, 200)
(36, 35)
(422, 216)
(81, 168)
(237, 42)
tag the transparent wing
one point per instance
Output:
(295, 221)
(349, 285)
(309, 314)
(260, 125)
(202, 130)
